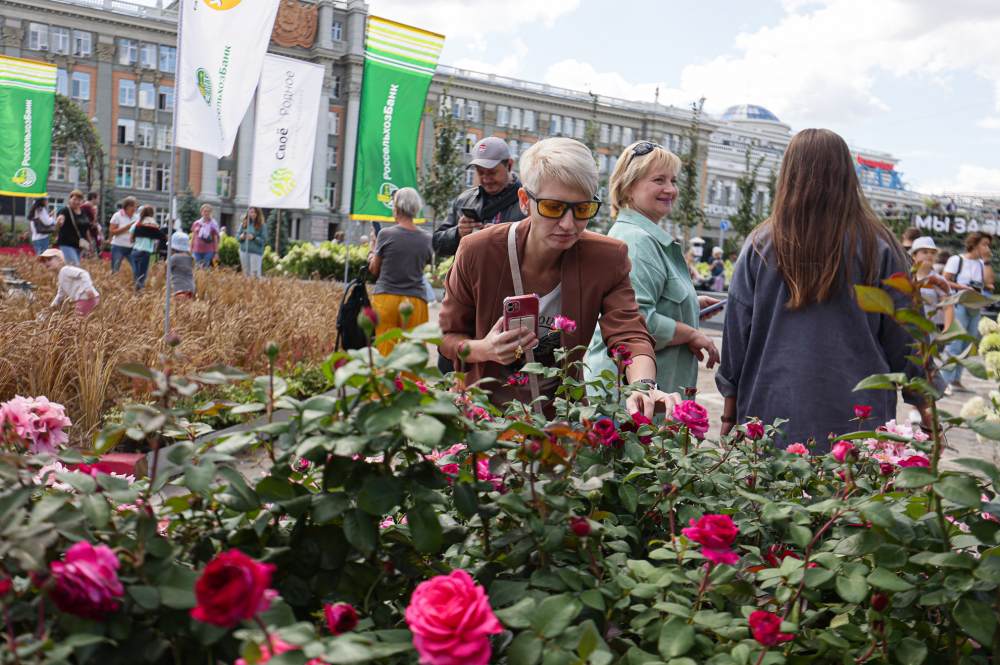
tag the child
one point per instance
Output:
(180, 267)
(145, 236)
(74, 283)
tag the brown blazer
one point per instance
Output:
(595, 283)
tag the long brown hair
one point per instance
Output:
(258, 220)
(821, 224)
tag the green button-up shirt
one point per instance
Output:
(665, 295)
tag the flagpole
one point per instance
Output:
(172, 189)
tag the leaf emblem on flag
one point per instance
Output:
(282, 182)
(204, 85)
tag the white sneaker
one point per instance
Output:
(948, 390)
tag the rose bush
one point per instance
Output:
(459, 532)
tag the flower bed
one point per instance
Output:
(404, 518)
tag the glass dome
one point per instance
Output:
(749, 112)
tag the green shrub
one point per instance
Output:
(322, 261)
(229, 251)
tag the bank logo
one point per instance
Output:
(221, 5)
(385, 193)
(24, 177)
(282, 182)
(204, 85)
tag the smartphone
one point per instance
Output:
(471, 213)
(711, 309)
(520, 312)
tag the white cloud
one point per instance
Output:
(989, 122)
(508, 65)
(578, 75)
(970, 179)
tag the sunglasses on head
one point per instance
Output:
(644, 148)
(555, 209)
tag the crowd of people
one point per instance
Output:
(134, 236)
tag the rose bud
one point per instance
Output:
(879, 601)
(580, 526)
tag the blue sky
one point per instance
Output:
(916, 78)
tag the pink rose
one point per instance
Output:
(232, 587)
(638, 420)
(622, 356)
(766, 628)
(6, 586)
(693, 416)
(451, 621)
(797, 449)
(886, 468)
(915, 460)
(86, 581)
(606, 432)
(842, 450)
(716, 535)
(483, 473)
(340, 618)
(35, 422)
(280, 647)
(564, 323)
(862, 412)
(754, 430)
(517, 379)
(450, 469)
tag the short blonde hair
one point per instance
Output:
(77, 193)
(407, 202)
(563, 160)
(631, 168)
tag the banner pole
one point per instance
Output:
(172, 189)
(277, 234)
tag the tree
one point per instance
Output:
(591, 135)
(688, 212)
(441, 180)
(75, 135)
(286, 230)
(746, 218)
(188, 209)
(772, 189)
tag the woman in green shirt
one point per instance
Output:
(643, 190)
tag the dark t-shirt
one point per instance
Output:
(69, 234)
(404, 254)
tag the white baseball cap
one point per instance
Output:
(923, 242)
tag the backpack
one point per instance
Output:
(349, 333)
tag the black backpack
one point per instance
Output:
(349, 333)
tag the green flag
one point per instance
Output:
(27, 102)
(399, 64)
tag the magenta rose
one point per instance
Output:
(622, 356)
(862, 411)
(716, 535)
(232, 588)
(766, 628)
(451, 621)
(606, 433)
(915, 460)
(340, 618)
(754, 430)
(693, 416)
(843, 450)
(86, 582)
(564, 323)
(638, 420)
(797, 449)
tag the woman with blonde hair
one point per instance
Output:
(796, 341)
(643, 189)
(253, 237)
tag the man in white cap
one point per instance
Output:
(493, 201)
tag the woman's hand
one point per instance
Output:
(702, 345)
(707, 301)
(503, 347)
(646, 402)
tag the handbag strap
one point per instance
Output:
(72, 218)
(515, 274)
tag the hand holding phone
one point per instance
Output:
(711, 309)
(521, 312)
(469, 221)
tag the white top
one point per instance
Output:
(74, 284)
(549, 307)
(46, 219)
(973, 270)
(120, 218)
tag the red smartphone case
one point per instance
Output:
(520, 312)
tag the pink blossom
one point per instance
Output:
(451, 621)
(35, 422)
(280, 647)
(564, 323)
(86, 581)
(517, 379)
(391, 521)
(797, 449)
(915, 460)
(436, 455)
(449, 469)
(716, 535)
(842, 450)
(693, 416)
(622, 355)
(483, 473)
(754, 430)
(862, 411)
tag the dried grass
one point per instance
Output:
(73, 361)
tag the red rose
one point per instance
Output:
(232, 587)
(766, 628)
(580, 526)
(86, 581)
(451, 621)
(517, 379)
(879, 601)
(340, 618)
(638, 420)
(622, 356)
(6, 585)
(915, 460)
(777, 553)
(886, 468)
(754, 430)
(693, 416)
(842, 450)
(862, 412)
(606, 432)
(715, 534)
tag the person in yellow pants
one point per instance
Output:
(397, 260)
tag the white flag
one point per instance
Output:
(288, 106)
(222, 48)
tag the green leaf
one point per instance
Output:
(800, 535)
(963, 490)
(238, 494)
(424, 429)
(975, 618)
(555, 614)
(199, 478)
(466, 500)
(676, 638)
(913, 477)
(272, 489)
(519, 614)
(380, 494)
(818, 576)
(888, 581)
(481, 441)
(327, 507)
(177, 590)
(881, 382)
(97, 510)
(874, 300)
(360, 531)
(146, 597)
(852, 588)
(589, 640)
(982, 466)
(526, 649)
(425, 528)
(109, 437)
(985, 428)
(910, 651)
(137, 371)
(915, 319)
(629, 496)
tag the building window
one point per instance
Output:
(126, 131)
(62, 82)
(168, 59)
(515, 118)
(38, 37)
(458, 108)
(59, 39)
(223, 182)
(147, 56)
(164, 137)
(82, 44)
(331, 194)
(337, 31)
(123, 173)
(605, 134)
(514, 147)
(602, 163)
(57, 165)
(469, 180)
(80, 87)
(503, 116)
(331, 156)
(581, 128)
(126, 92)
(144, 174)
(128, 52)
(616, 135)
(472, 110)
(627, 134)
(144, 135)
(335, 86)
(334, 121)
(529, 120)
(555, 125)
(165, 98)
(162, 177)
(147, 96)
(444, 105)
